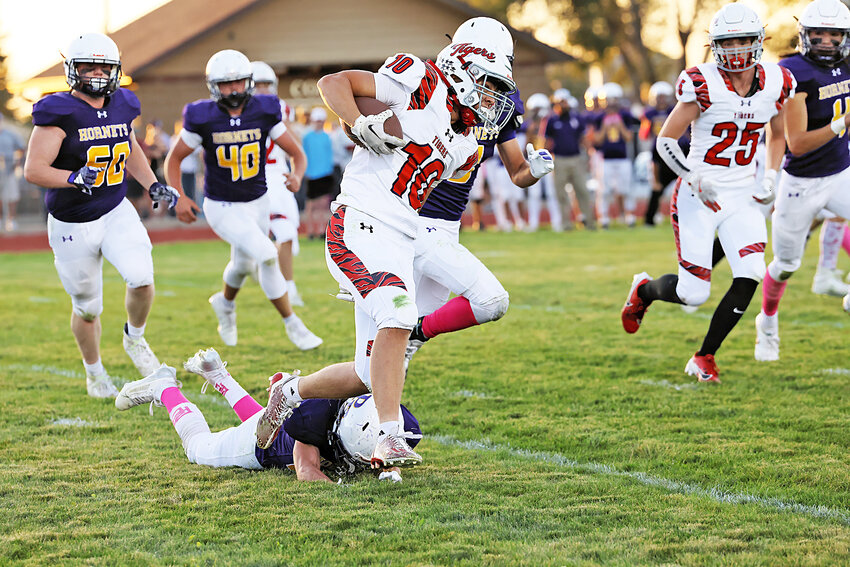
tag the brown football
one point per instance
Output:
(368, 105)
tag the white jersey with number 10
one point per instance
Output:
(393, 187)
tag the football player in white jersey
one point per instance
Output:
(370, 238)
(284, 218)
(816, 174)
(729, 103)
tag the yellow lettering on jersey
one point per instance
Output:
(237, 136)
(835, 89)
(103, 132)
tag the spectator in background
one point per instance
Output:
(136, 194)
(566, 138)
(538, 108)
(319, 174)
(189, 169)
(661, 102)
(11, 154)
(612, 137)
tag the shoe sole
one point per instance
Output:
(407, 462)
(693, 370)
(265, 440)
(636, 281)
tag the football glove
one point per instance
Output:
(766, 195)
(539, 161)
(162, 192)
(703, 189)
(370, 131)
(85, 178)
(392, 476)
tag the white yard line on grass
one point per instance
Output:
(714, 493)
(668, 384)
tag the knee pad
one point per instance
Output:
(87, 307)
(396, 309)
(236, 271)
(693, 294)
(781, 269)
(491, 310)
(271, 280)
(284, 231)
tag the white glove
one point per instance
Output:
(162, 192)
(703, 189)
(370, 130)
(85, 178)
(344, 295)
(766, 195)
(390, 475)
(539, 161)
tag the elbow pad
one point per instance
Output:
(673, 156)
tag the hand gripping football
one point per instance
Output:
(370, 106)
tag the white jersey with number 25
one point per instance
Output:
(393, 187)
(725, 136)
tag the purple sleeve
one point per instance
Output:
(51, 111)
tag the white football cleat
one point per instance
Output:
(226, 318)
(301, 336)
(279, 408)
(208, 364)
(690, 309)
(147, 390)
(767, 338)
(294, 297)
(393, 451)
(100, 386)
(140, 353)
(828, 282)
(845, 303)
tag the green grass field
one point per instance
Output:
(552, 437)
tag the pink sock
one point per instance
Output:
(453, 316)
(845, 243)
(772, 291)
(172, 397)
(246, 408)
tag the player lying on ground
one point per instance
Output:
(321, 436)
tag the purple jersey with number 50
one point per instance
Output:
(826, 100)
(234, 146)
(97, 137)
(448, 200)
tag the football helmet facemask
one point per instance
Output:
(467, 69)
(736, 21)
(92, 48)
(227, 66)
(832, 15)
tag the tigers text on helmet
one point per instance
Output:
(736, 21)
(467, 69)
(227, 66)
(262, 72)
(829, 16)
(355, 431)
(476, 30)
(93, 48)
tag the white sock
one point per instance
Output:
(191, 426)
(388, 428)
(95, 369)
(135, 332)
(229, 303)
(291, 319)
(771, 321)
(290, 285)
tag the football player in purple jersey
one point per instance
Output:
(321, 437)
(232, 128)
(817, 166)
(80, 150)
(442, 265)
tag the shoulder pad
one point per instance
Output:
(51, 110)
(405, 69)
(129, 98)
(269, 104)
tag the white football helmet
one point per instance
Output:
(831, 15)
(474, 29)
(538, 105)
(561, 95)
(356, 429)
(263, 73)
(610, 95)
(467, 68)
(226, 66)
(736, 20)
(658, 91)
(93, 48)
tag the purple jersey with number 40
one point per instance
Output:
(234, 146)
(826, 100)
(95, 137)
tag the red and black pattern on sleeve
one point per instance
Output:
(754, 248)
(700, 88)
(787, 84)
(420, 97)
(349, 264)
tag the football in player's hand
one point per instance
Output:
(368, 105)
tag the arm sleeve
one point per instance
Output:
(190, 138)
(277, 130)
(391, 92)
